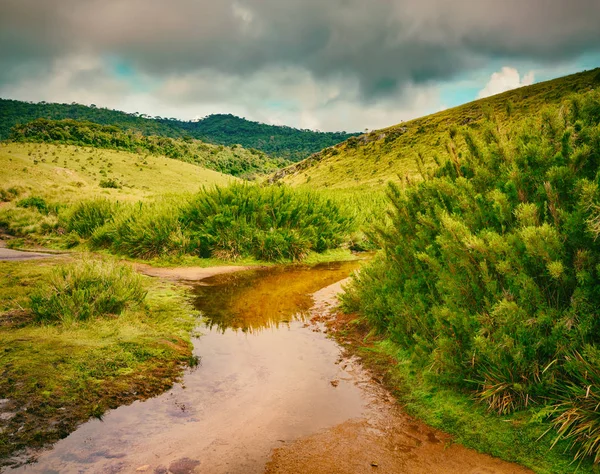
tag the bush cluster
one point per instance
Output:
(268, 223)
(86, 290)
(491, 269)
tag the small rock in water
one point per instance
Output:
(143, 468)
(183, 466)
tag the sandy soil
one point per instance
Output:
(188, 273)
(383, 440)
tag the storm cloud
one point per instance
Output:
(380, 50)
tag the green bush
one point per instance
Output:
(110, 183)
(85, 290)
(34, 202)
(271, 223)
(145, 231)
(86, 216)
(491, 269)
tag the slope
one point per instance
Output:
(70, 173)
(234, 160)
(399, 152)
(279, 141)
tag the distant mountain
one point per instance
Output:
(400, 152)
(277, 141)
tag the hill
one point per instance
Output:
(69, 173)
(277, 141)
(234, 160)
(397, 153)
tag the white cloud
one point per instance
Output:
(506, 79)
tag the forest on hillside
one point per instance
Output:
(221, 129)
(234, 160)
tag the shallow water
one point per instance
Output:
(265, 378)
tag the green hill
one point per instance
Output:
(277, 141)
(68, 173)
(234, 160)
(398, 152)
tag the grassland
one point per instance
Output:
(68, 174)
(400, 153)
(58, 374)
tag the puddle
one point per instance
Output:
(265, 379)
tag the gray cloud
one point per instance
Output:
(312, 57)
(383, 43)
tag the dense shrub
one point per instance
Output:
(144, 231)
(270, 223)
(110, 183)
(86, 290)
(491, 267)
(87, 216)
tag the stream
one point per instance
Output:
(265, 377)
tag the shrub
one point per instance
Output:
(85, 290)
(87, 216)
(109, 183)
(8, 194)
(491, 268)
(271, 223)
(34, 202)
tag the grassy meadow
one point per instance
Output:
(66, 173)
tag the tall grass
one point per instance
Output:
(86, 216)
(268, 223)
(86, 290)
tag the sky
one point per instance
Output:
(330, 65)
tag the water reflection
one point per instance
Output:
(268, 298)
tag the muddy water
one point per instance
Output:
(265, 378)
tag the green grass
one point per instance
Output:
(64, 374)
(400, 152)
(62, 173)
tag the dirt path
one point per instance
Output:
(383, 440)
(189, 273)
(17, 255)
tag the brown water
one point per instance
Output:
(265, 379)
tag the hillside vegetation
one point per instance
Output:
(234, 160)
(152, 207)
(400, 152)
(277, 141)
(490, 276)
(70, 173)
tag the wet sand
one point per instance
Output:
(188, 273)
